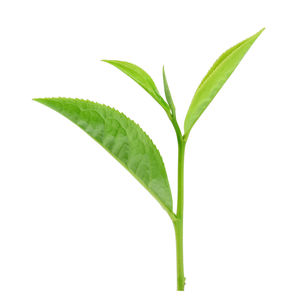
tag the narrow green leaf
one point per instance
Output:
(123, 139)
(215, 79)
(168, 93)
(142, 78)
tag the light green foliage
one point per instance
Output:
(168, 94)
(142, 78)
(129, 144)
(123, 139)
(215, 79)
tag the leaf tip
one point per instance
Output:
(37, 99)
(259, 32)
(107, 61)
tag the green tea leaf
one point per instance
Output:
(142, 78)
(168, 93)
(123, 139)
(215, 79)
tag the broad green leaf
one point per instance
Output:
(123, 139)
(168, 93)
(215, 79)
(142, 78)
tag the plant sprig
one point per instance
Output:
(133, 148)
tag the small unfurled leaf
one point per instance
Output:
(142, 78)
(123, 139)
(215, 79)
(168, 93)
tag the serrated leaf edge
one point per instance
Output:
(169, 211)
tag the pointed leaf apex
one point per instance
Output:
(215, 79)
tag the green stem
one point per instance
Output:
(178, 224)
(178, 221)
(179, 255)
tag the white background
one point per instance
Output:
(73, 222)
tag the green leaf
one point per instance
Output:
(168, 93)
(215, 79)
(123, 139)
(142, 78)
